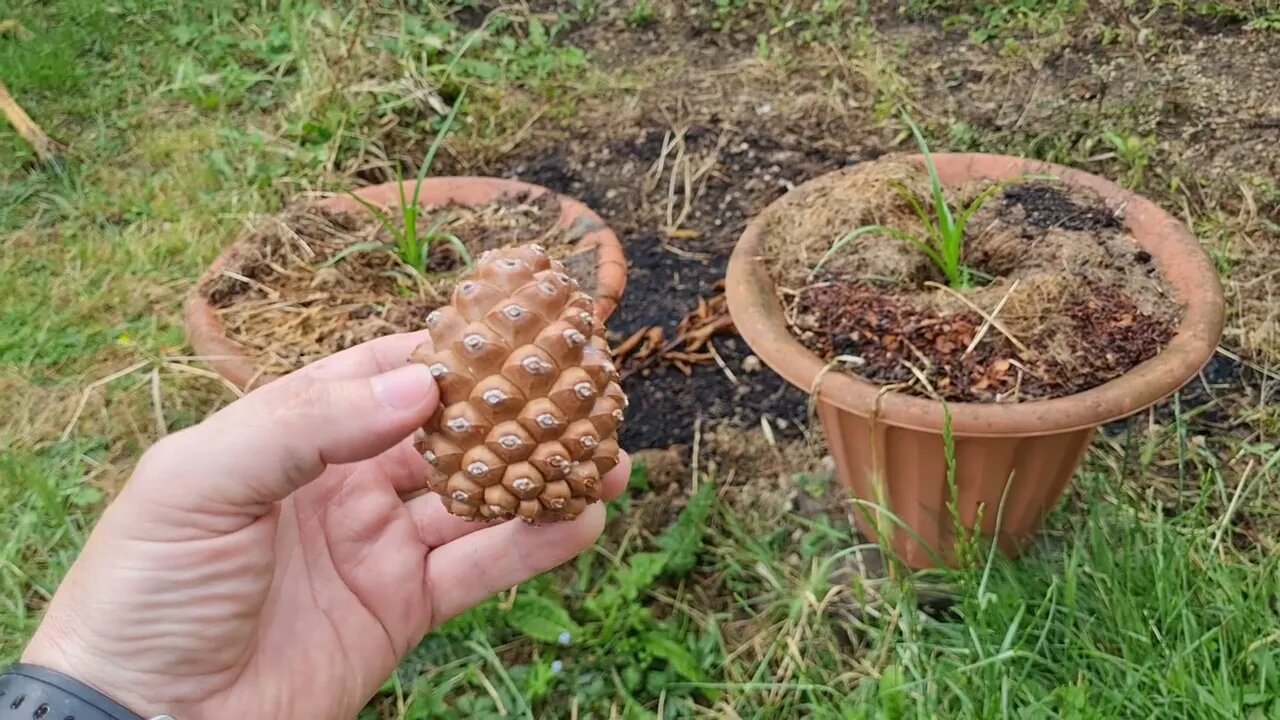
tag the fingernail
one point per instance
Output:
(404, 388)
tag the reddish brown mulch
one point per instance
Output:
(889, 335)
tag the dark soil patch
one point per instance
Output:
(667, 277)
(1219, 402)
(665, 403)
(309, 283)
(1049, 207)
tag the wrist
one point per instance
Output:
(34, 691)
(49, 652)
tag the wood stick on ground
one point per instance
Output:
(27, 128)
(14, 28)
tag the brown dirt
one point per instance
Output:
(291, 296)
(1094, 340)
(1083, 301)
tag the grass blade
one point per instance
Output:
(460, 247)
(430, 159)
(352, 250)
(892, 232)
(383, 219)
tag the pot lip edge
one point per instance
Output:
(751, 298)
(207, 334)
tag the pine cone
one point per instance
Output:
(530, 400)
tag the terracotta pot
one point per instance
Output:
(230, 360)
(1032, 449)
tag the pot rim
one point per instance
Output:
(229, 359)
(758, 315)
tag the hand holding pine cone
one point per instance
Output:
(530, 400)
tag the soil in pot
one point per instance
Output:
(308, 283)
(1075, 301)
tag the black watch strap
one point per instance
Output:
(31, 692)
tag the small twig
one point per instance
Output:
(157, 406)
(686, 254)
(684, 357)
(251, 282)
(631, 343)
(656, 171)
(28, 129)
(14, 28)
(1231, 508)
(987, 323)
(924, 359)
(720, 361)
(816, 385)
(985, 315)
(84, 397)
(924, 380)
(767, 429)
(697, 337)
(697, 450)
(655, 357)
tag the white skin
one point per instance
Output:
(264, 564)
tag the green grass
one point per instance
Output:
(1123, 612)
(1152, 593)
(988, 21)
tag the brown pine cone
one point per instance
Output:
(530, 401)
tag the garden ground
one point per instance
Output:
(730, 583)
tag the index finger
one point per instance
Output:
(366, 359)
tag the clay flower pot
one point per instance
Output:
(1025, 453)
(209, 339)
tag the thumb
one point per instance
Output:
(261, 448)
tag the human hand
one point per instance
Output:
(264, 564)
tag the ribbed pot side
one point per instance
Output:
(229, 359)
(1012, 461)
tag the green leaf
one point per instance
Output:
(479, 69)
(640, 573)
(540, 618)
(639, 479)
(891, 693)
(537, 33)
(683, 539)
(676, 655)
(86, 496)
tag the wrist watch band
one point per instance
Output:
(31, 692)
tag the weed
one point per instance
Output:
(989, 21)
(412, 246)
(944, 242)
(1134, 152)
(1268, 21)
(641, 14)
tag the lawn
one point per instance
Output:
(730, 582)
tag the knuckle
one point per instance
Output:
(311, 395)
